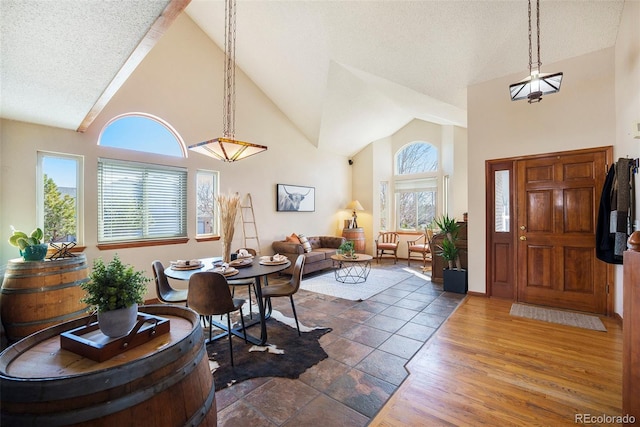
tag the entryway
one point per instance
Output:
(541, 223)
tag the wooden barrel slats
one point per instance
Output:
(39, 294)
(165, 382)
(356, 235)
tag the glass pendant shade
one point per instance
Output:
(227, 149)
(535, 86)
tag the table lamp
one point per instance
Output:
(355, 206)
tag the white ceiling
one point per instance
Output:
(344, 72)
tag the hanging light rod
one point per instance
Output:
(227, 148)
(536, 84)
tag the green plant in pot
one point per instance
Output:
(114, 290)
(454, 277)
(31, 246)
(347, 248)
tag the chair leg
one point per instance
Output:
(249, 291)
(210, 327)
(244, 330)
(295, 316)
(230, 343)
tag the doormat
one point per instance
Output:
(561, 317)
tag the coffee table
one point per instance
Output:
(352, 270)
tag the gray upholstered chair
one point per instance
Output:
(209, 295)
(287, 289)
(166, 293)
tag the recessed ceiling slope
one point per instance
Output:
(60, 57)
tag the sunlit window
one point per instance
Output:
(142, 132)
(60, 197)
(416, 186)
(206, 191)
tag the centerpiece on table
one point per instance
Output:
(228, 205)
(347, 249)
(31, 246)
(115, 290)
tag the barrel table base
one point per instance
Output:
(165, 382)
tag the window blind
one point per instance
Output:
(140, 201)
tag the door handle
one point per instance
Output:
(523, 227)
(523, 237)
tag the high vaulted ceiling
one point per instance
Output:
(345, 72)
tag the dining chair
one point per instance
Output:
(249, 283)
(209, 295)
(286, 289)
(166, 293)
(421, 246)
(387, 243)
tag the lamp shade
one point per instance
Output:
(535, 85)
(227, 149)
(355, 206)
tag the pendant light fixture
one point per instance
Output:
(537, 83)
(227, 148)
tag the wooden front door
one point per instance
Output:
(557, 205)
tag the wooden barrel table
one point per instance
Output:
(166, 381)
(356, 235)
(39, 294)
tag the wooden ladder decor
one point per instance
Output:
(249, 227)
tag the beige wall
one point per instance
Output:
(375, 164)
(181, 82)
(595, 107)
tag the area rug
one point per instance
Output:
(286, 354)
(557, 316)
(378, 281)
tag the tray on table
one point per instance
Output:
(90, 342)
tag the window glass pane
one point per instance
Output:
(384, 205)
(142, 133)
(138, 201)
(60, 197)
(501, 191)
(206, 190)
(419, 157)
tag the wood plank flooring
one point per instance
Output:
(487, 367)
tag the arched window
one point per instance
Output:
(142, 132)
(416, 185)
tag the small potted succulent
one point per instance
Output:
(31, 246)
(347, 248)
(114, 291)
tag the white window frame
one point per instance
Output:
(145, 230)
(216, 189)
(41, 155)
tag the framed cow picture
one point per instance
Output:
(295, 198)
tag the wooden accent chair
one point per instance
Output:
(387, 243)
(422, 247)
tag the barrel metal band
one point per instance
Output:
(55, 319)
(12, 291)
(13, 275)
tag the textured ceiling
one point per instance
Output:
(344, 72)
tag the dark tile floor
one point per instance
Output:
(369, 345)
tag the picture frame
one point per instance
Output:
(295, 198)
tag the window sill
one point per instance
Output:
(207, 238)
(142, 243)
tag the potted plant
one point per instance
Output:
(31, 246)
(114, 291)
(347, 248)
(454, 277)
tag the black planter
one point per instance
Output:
(455, 281)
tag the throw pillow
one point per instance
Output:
(305, 243)
(293, 238)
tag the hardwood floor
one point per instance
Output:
(484, 366)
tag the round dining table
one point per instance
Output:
(256, 271)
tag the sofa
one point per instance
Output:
(317, 255)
